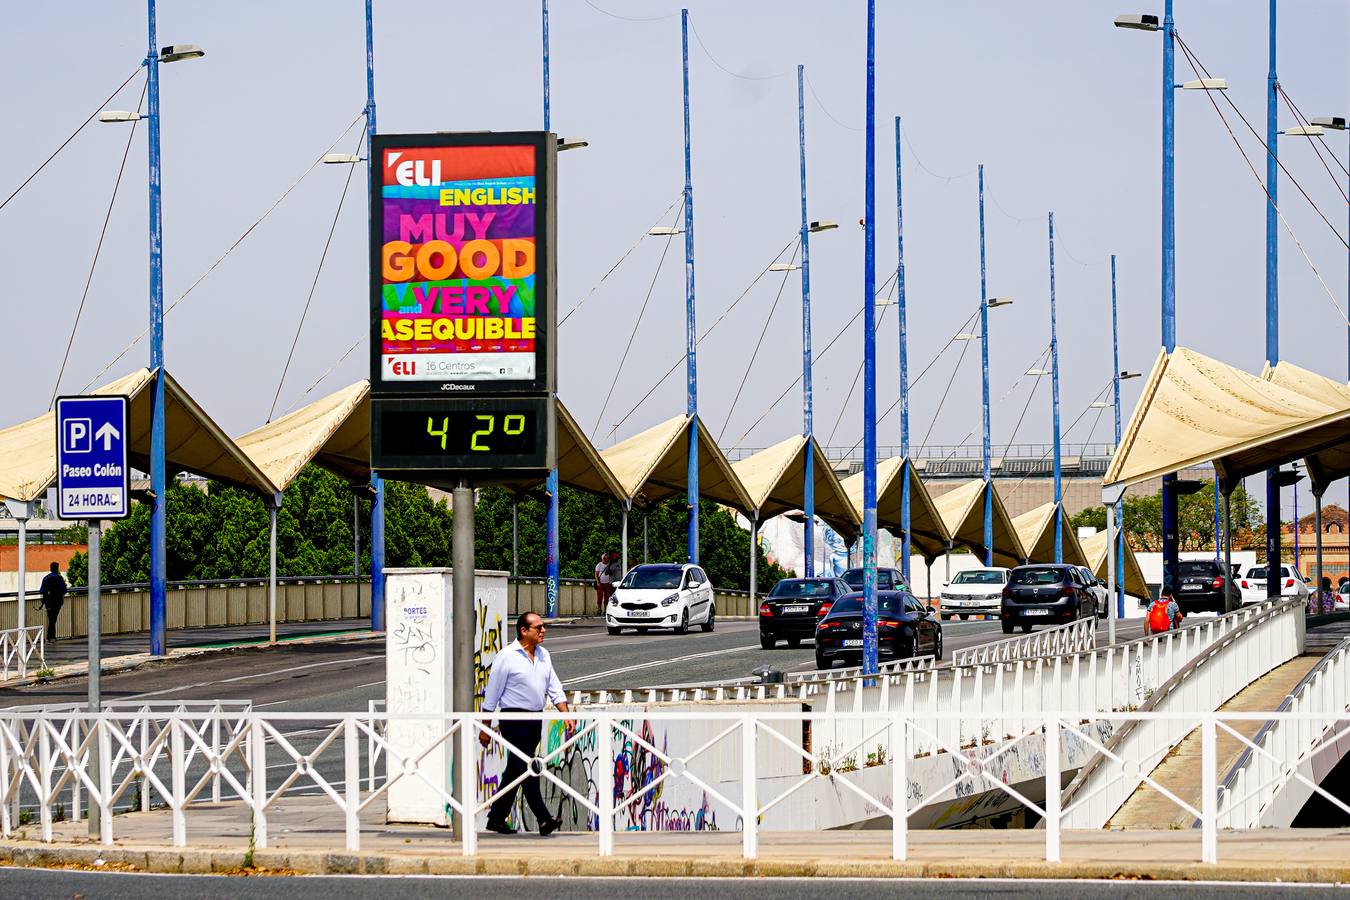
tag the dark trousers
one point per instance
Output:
(524, 736)
(53, 610)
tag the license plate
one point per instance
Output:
(1035, 612)
(853, 642)
(796, 609)
(637, 613)
(1192, 587)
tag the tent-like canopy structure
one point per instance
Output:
(962, 514)
(333, 431)
(1195, 409)
(774, 480)
(1094, 548)
(928, 534)
(193, 442)
(1036, 531)
(653, 465)
(1333, 461)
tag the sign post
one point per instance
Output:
(92, 483)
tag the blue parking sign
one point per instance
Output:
(91, 458)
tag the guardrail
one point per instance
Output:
(1282, 763)
(18, 646)
(746, 765)
(1075, 637)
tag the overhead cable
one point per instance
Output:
(626, 253)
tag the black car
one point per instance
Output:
(888, 579)
(793, 607)
(1046, 595)
(1201, 585)
(905, 628)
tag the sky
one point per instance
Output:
(1061, 108)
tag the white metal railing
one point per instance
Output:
(18, 648)
(1273, 778)
(1074, 637)
(757, 769)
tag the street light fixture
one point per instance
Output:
(822, 225)
(1205, 84)
(1099, 404)
(996, 302)
(341, 159)
(1336, 123)
(1143, 22)
(966, 336)
(118, 115)
(175, 52)
(1126, 376)
(783, 267)
(1304, 131)
(1038, 372)
(572, 143)
(664, 231)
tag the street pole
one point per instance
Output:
(158, 492)
(20, 512)
(1115, 386)
(95, 634)
(376, 482)
(1171, 539)
(984, 389)
(1054, 394)
(869, 523)
(691, 339)
(905, 543)
(809, 475)
(551, 567)
(272, 568)
(1273, 312)
(462, 623)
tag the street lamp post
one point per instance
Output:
(690, 337)
(1054, 393)
(905, 542)
(869, 511)
(376, 482)
(1272, 303)
(984, 392)
(808, 468)
(551, 565)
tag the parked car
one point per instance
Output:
(905, 628)
(1202, 587)
(1253, 584)
(1098, 588)
(793, 607)
(974, 592)
(1045, 595)
(888, 579)
(662, 595)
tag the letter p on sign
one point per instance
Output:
(78, 438)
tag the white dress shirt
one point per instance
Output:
(519, 682)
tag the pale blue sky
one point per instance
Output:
(1061, 107)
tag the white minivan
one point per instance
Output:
(662, 595)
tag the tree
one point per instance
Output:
(1142, 519)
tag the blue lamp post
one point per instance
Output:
(376, 482)
(1054, 394)
(905, 542)
(1272, 305)
(808, 476)
(551, 569)
(869, 523)
(986, 303)
(691, 337)
(1116, 377)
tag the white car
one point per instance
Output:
(1098, 588)
(1253, 584)
(974, 592)
(662, 595)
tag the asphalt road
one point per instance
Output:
(22, 884)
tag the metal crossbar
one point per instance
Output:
(19, 649)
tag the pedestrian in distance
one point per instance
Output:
(1322, 601)
(1163, 614)
(603, 583)
(522, 680)
(53, 593)
(616, 572)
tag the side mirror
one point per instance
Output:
(946, 584)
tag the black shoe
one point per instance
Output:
(500, 827)
(548, 826)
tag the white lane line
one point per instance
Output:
(187, 687)
(658, 662)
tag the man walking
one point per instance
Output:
(522, 678)
(53, 598)
(603, 582)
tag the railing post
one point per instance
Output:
(1209, 792)
(1052, 788)
(258, 780)
(45, 776)
(105, 807)
(352, 781)
(177, 768)
(215, 753)
(144, 727)
(605, 783)
(899, 788)
(468, 759)
(749, 791)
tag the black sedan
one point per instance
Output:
(1046, 595)
(905, 628)
(888, 579)
(792, 608)
(1203, 587)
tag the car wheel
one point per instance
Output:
(1007, 627)
(904, 650)
(711, 622)
(766, 641)
(964, 617)
(794, 643)
(822, 662)
(946, 617)
(614, 630)
(683, 627)
(1026, 629)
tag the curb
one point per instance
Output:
(176, 861)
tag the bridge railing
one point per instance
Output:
(1075, 637)
(22, 649)
(747, 767)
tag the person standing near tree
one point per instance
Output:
(603, 583)
(53, 594)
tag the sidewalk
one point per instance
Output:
(307, 836)
(115, 645)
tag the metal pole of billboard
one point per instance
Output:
(376, 482)
(95, 634)
(691, 339)
(1054, 392)
(808, 473)
(869, 523)
(904, 364)
(462, 624)
(551, 566)
(157, 462)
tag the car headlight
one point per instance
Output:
(671, 600)
(614, 601)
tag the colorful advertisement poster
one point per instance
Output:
(457, 235)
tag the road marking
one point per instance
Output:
(188, 687)
(660, 662)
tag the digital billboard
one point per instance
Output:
(461, 263)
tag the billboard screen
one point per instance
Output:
(461, 228)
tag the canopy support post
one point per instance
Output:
(754, 559)
(623, 511)
(1317, 508)
(272, 569)
(1228, 544)
(644, 536)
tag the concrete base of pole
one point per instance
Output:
(462, 624)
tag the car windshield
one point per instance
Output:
(888, 602)
(978, 577)
(885, 580)
(1037, 576)
(1196, 568)
(1259, 572)
(652, 577)
(801, 589)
